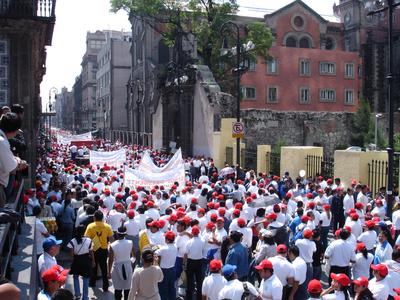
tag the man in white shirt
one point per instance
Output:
(307, 247)
(369, 236)
(396, 222)
(340, 254)
(213, 283)
(193, 259)
(51, 248)
(40, 231)
(283, 269)
(270, 287)
(355, 225)
(378, 285)
(234, 288)
(167, 257)
(299, 289)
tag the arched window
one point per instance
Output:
(330, 44)
(291, 42)
(305, 43)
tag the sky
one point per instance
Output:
(74, 18)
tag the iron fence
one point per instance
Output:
(229, 155)
(377, 175)
(319, 165)
(249, 159)
(27, 8)
(273, 162)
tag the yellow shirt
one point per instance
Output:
(143, 240)
(99, 232)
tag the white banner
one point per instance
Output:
(67, 139)
(148, 174)
(111, 158)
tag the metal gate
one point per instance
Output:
(318, 165)
(229, 156)
(273, 160)
(249, 159)
(377, 175)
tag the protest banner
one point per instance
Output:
(111, 158)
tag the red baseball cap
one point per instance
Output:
(170, 235)
(272, 216)
(281, 248)
(381, 269)
(360, 246)
(326, 206)
(314, 287)
(210, 225)
(359, 205)
(172, 217)
(201, 210)
(238, 206)
(265, 264)
(130, 214)
(55, 273)
(236, 212)
(305, 219)
(361, 281)
(341, 278)
(220, 219)
(215, 265)
(195, 230)
(307, 233)
(150, 204)
(354, 216)
(241, 222)
(221, 211)
(370, 224)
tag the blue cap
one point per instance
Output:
(50, 242)
(228, 270)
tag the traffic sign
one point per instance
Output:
(238, 130)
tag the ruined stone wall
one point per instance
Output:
(326, 129)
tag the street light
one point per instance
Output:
(377, 116)
(238, 52)
(377, 7)
(139, 100)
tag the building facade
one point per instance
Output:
(308, 69)
(114, 65)
(77, 105)
(64, 107)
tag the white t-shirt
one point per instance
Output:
(212, 285)
(396, 219)
(379, 289)
(337, 295)
(122, 250)
(40, 230)
(132, 227)
(283, 269)
(194, 248)
(82, 248)
(180, 243)
(45, 262)
(300, 270)
(271, 288)
(168, 255)
(362, 265)
(233, 290)
(368, 238)
(306, 248)
(8, 162)
(340, 253)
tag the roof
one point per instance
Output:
(301, 3)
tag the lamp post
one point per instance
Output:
(139, 100)
(379, 6)
(55, 91)
(377, 116)
(225, 26)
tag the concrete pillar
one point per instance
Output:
(293, 159)
(262, 151)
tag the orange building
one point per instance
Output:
(308, 69)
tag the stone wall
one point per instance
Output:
(325, 129)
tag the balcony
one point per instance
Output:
(28, 9)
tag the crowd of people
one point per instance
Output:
(232, 235)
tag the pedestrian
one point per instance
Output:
(378, 285)
(101, 234)
(369, 236)
(235, 289)
(285, 272)
(214, 282)
(361, 267)
(238, 255)
(40, 231)
(82, 262)
(299, 289)
(51, 248)
(167, 258)
(193, 260)
(339, 287)
(53, 279)
(120, 264)
(361, 291)
(270, 287)
(314, 289)
(384, 250)
(337, 209)
(66, 221)
(326, 218)
(145, 279)
(307, 248)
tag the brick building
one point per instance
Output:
(309, 68)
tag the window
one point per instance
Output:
(248, 92)
(304, 43)
(327, 95)
(272, 66)
(304, 95)
(327, 68)
(349, 70)
(348, 97)
(305, 67)
(272, 96)
(298, 21)
(291, 42)
(252, 64)
(330, 44)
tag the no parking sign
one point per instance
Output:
(237, 130)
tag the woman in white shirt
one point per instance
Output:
(326, 219)
(339, 287)
(83, 260)
(363, 262)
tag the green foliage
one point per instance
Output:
(396, 142)
(261, 36)
(363, 125)
(281, 142)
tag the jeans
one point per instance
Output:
(85, 287)
(118, 294)
(317, 272)
(100, 258)
(167, 286)
(309, 274)
(324, 236)
(195, 277)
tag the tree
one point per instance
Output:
(202, 18)
(362, 125)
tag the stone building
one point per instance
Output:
(77, 105)
(26, 28)
(64, 110)
(114, 64)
